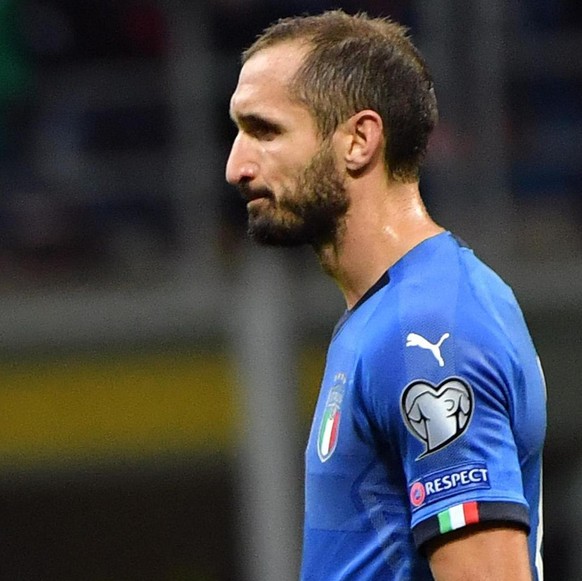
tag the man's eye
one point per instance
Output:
(265, 133)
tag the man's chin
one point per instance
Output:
(276, 241)
(276, 235)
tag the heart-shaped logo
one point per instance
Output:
(437, 415)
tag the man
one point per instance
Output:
(424, 457)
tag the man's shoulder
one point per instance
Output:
(463, 295)
(437, 289)
(452, 280)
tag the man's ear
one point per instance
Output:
(366, 139)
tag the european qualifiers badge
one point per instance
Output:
(330, 422)
(437, 414)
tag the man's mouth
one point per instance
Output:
(253, 195)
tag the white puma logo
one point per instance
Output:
(414, 340)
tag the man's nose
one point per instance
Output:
(239, 166)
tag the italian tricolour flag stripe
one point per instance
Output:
(328, 433)
(458, 516)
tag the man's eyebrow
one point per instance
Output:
(252, 121)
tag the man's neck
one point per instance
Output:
(381, 226)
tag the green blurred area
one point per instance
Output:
(15, 68)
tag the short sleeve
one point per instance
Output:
(446, 411)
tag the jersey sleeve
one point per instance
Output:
(444, 406)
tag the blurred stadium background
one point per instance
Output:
(157, 372)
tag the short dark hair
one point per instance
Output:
(359, 62)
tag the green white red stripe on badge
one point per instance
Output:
(328, 432)
(458, 516)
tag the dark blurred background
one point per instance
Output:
(157, 372)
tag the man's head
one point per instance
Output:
(353, 63)
(302, 83)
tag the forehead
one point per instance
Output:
(263, 84)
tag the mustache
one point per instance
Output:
(249, 193)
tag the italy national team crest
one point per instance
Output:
(330, 422)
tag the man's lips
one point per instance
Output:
(252, 195)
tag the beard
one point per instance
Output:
(311, 213)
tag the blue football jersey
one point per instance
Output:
(431, 417)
